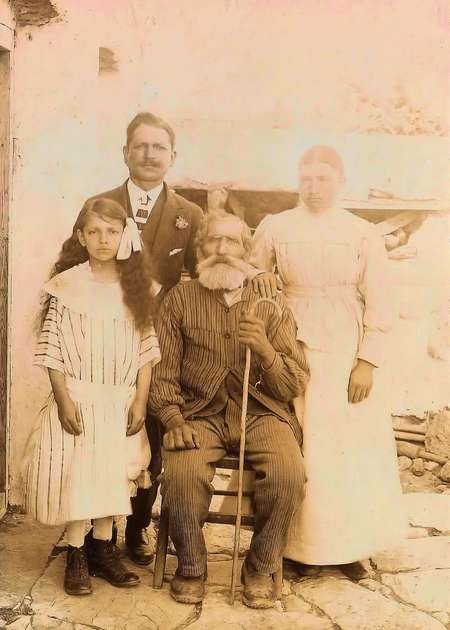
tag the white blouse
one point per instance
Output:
(333, 266)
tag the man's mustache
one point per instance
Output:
(211, 261)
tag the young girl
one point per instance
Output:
(99, 346)
(333, 268)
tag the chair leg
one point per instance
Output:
(278, 579)
(161, 550)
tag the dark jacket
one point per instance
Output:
(172, 226)
(199, 339)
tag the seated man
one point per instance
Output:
(204, 328)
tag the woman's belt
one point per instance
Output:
(333, 291)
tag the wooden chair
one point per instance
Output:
(225, 514)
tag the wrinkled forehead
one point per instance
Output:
(318, 169)
(230, 227)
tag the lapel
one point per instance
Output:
(125, 199)
(162, 218)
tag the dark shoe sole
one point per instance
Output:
(143, 562)
(258, 603)
(117, 584)
(78, 592)
(186, 599)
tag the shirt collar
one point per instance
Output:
(241, 294)
(136, 193)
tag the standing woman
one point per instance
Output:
(333, 268)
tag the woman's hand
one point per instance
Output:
(361, 381)
(266, 284)
(136, 416)
(69, 416)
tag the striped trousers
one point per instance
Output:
(275, 456)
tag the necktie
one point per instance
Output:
(142, 213)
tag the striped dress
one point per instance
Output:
(90, 337)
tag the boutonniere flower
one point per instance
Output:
(181, 223)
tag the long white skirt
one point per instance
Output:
(353, 504)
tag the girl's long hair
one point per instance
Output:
(134, 273)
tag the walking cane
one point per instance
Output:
(237, 530)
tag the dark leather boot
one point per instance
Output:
(259, 589)
(88, 542)
(104, 562)
(76, 577)
(137, 544)
(187, 590)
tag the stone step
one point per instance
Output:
(352, 607)
(423, 553)
(428, 510)
(428, 590)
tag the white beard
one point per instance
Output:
(227, 275)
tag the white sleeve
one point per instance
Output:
(263, 250)
(375, 288)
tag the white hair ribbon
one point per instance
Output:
(130, 241)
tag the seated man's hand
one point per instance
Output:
(252, 333)
(266, 284)
(181, 438)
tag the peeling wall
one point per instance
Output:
(33, 12)
(6, 16)
(55, 153)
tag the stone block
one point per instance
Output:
(109, 608)
(295, 604)
(443, 617)
(420, 553)
(404, 462)
(437, 439)
(432, 466)
(428, 510)
(417, 467)
(444, 473)
(217, 613)
(220, 538)
(417, 532)
(352, 607)
(428, 590)
(25, 548)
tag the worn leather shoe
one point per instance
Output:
(138, 547)
(259, 589)
(187, 590)
(76, 577)
(104, 562)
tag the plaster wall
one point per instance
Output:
(243, 100)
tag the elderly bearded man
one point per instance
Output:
(203, 329)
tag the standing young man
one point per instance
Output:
(168, 224)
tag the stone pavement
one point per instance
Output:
(409, 588)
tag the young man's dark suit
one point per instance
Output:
(171, 226)
(168, 236)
